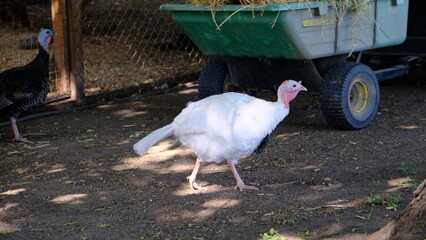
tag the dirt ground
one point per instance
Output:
(80, 179)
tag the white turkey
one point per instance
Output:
(229, 126)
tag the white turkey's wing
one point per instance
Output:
(253, 121)
(209, 114)
(206, 125)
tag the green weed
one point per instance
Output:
(120, 179)
(336, 216)
(278, 164)
(406, 168)
(375, 200)
(38, 229)
(305, 234)
(272, 234)
(366, 214)
(71, 223)
(359, 228)
(391, 204)
(407, 181)
(377, 183)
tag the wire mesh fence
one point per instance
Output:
(123, 43)
(132, 42)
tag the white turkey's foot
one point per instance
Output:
(243, 187)
(193, 185)
(20, 139)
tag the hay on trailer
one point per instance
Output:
(361, 8)
(356, 5)
(220, 3)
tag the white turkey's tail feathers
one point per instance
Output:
(145, 143)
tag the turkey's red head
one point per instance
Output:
(289, 90)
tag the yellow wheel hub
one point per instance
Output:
(358, 96)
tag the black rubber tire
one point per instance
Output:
(350, 96)
(212, 77)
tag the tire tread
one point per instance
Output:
(332, 96)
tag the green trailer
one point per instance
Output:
(256, 48)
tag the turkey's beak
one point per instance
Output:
(302, 88)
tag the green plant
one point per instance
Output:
(278, 164)
(359, 228)
(336, 216)
(377, 183)
(408, 180)
(38, 229)
(366, 213)
(396, 197)
(120, 179)
(70, 223)
(272, 234)
(394, 203)
(376, 200)
(290, 220)
(407, 168)
(305, 234)
(391, 204)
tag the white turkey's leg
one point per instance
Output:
(17, 137)
(240, 184)
(192, 184)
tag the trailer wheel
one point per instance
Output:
(214, 78)
(349, 96)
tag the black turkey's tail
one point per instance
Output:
(4, 101)
(145, 143)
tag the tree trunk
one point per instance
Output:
(410, 224)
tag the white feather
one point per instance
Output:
(229, 126)
(145, 143)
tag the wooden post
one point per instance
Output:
(59, 46)
(75, 49)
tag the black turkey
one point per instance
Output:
(24, 87)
